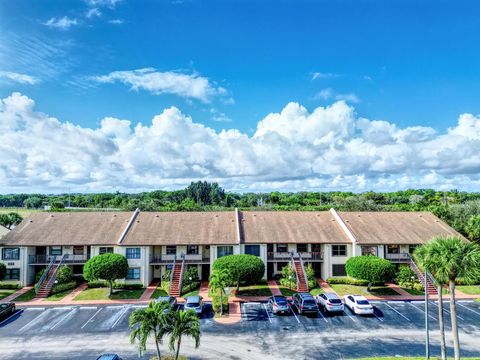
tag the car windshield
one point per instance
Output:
(193, 304)
(280, 300)
(309, 302)
(362, 302)
(335, 301)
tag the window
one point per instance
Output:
(252, 250)
(393, 249)
(192, 249)
(105, 250)
(224, 251)
(338, 270)
(411, 248)
(369, 250)
(12, 274)
(171, 250)
(316, 247)
(78, 250)
(55, 250)
(339, 250)
(302, 247)
(282, 248)
(133, 274)
(133, 253)
(10, 253)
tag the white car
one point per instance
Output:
(358, 304)
(329, 302)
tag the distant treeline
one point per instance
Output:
(456, 207)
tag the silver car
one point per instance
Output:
(279, 304)
(329, 302)
(194, 303)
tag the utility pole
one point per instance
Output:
(427, 338)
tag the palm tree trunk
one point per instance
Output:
(156, 344)
(178, 348)
(453, 315)
(443, 347)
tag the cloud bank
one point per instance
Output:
(294, 149)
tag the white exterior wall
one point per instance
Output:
(26, 274)
(329, 260)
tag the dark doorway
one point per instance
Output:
(40, 250)
(269, 270)
(205, 272)
(317, 267)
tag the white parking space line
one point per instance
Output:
(447, 311)
(35, 308)
(16, 313)
(378, 317)
(91, 319)
(87, 307)
(350, 316)
(398, 312)
(268, 314)
(475, 312)
(296, 317)
(323, 317)
(34, 320)
(121, 313)
(431, 316)
(65, 317)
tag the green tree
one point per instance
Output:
(108, 267)
(243, 268)
(147, 322)
(473, 228)
(219, 280)
(178, 324)
(450, 258)
(64, 275)
(3, 271)
(370, 268)
(33, 202)
(10, 220)
(406, 276)
(288, 276)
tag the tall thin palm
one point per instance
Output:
(178, 324)
(452, 258)
(423, 259)
(218, 282)
(147, 322)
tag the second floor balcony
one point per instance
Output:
(45, 259)
(397, 257)
(285, 256)
(189, 258)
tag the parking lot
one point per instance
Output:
(396, 328)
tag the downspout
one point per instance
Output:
(345, 229)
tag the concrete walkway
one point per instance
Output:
(203, 292)
(325, 286)
(17, 293)
(272, 284)
(147, 294)
(234, 314)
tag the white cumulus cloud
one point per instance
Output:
(191, 86)
(327, 148)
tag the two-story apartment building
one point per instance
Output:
(153, 241)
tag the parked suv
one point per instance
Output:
(194, 303)
(6, 309)
(279, 304)
(329, 302)
(305, 303)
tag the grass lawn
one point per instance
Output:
(316, 291)
(5, 292)
(158, 292)
(255, 290)
(59, 296)
(191, 293)
(344, 289)
(413, 291)
(469, 289)
(102, 294)
(29, 295)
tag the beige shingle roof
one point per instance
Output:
(291, 227)
(395, 227)
(182, 228)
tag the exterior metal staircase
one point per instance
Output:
(297, 263)
(46, 282)
(431, 288)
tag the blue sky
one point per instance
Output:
(230, 64)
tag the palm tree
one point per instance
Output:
(179, 323)
(450, 258)
(423, 259)
(145, 322)
(219, 281)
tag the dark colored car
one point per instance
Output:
(279, 304)
(6, 310)
(109, 357)
(305, 303)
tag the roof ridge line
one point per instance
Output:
(238, 221)
(345, 228)
(129, 225)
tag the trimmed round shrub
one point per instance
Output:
(243, 268)
(3, 270)
(108, 267)
(64, 275)
(370, 268)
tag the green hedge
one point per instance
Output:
(127, 286)
(351, 281)
(216, 304)
(370, 268)
(63, 287)
(243, 268)
(7, 286)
